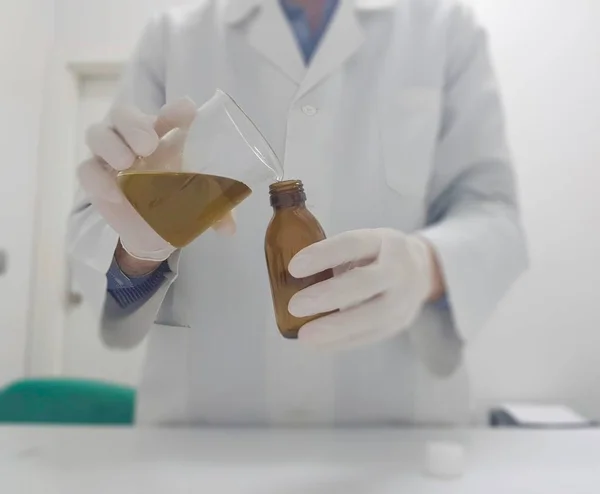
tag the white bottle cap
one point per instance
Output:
(444, 459)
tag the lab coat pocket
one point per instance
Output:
(410, 123)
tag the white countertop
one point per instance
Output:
(81, 460)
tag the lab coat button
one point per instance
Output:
(309, 110)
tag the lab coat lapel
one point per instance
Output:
(271, 36)
(343, 38)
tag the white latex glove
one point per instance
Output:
(385, 278)
(116, 143)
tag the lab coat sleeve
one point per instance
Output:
(91, 240)
(473, 210)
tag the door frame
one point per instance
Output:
(49, 283)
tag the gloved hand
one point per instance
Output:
(116, 143)
(382, 279)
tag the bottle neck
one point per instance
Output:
(288, 194)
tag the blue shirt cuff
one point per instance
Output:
(442, 303)
(127, 291)
(117, 279)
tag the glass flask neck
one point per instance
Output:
(287, 194)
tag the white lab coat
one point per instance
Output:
(396, 123)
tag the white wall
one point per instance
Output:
(544, 342)
(104, 29)
(26, 30)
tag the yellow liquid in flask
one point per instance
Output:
(181, 206)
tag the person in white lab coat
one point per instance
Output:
(389, 112)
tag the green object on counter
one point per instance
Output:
(66, 401)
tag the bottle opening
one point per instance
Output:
(286, 186)
(287, 193)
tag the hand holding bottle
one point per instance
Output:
(386, 277)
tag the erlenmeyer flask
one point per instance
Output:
(197, 175)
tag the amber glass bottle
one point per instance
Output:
(292, 228)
